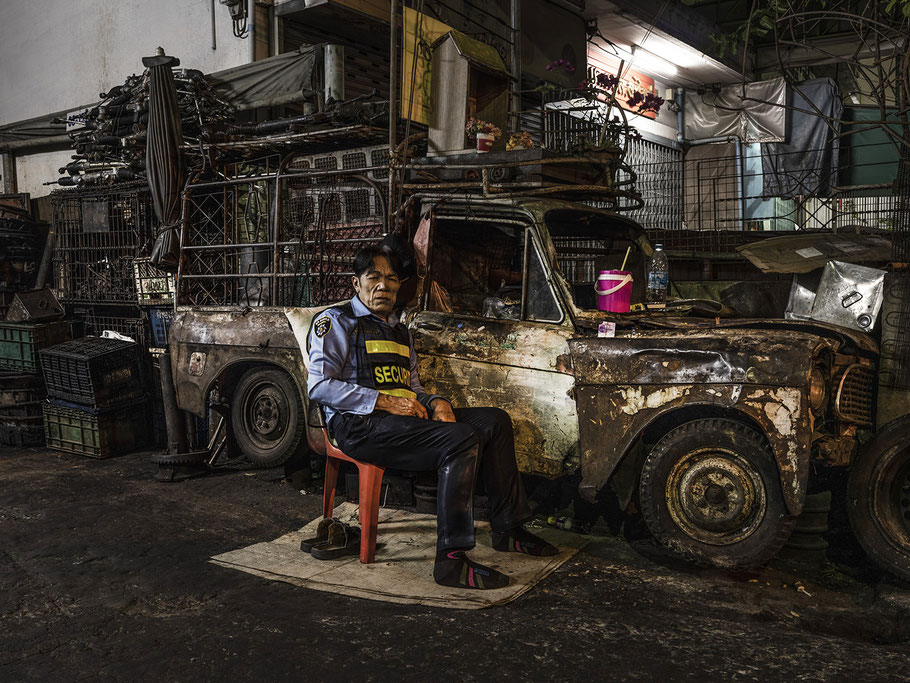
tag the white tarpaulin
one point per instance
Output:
(754, 112)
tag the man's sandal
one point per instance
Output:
(322, 534)
(343, 540)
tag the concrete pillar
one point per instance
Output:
(8, 171)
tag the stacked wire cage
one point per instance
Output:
(288, 239)
(99, 234)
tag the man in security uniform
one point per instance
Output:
(363, 370)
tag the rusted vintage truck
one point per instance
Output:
(712, 423)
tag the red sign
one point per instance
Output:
(630, 83)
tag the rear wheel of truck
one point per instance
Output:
(710, 492)
(266, 416)
(878, 498)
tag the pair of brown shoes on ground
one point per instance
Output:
(333, 539)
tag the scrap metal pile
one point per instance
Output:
(110, 142)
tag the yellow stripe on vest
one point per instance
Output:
(401, 393)
(387, 346)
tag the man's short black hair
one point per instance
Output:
(366, 257)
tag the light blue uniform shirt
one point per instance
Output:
(332, 379)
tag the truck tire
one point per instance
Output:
(266, 416)
(710, 492)
(878, 498)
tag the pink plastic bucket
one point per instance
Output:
(614, 291)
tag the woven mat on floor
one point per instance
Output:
(403, 570)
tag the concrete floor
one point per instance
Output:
(104, 575)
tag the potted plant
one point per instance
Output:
(483, 132)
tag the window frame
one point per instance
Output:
(531, 240)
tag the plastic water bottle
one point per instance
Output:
(658, 278)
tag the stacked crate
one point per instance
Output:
(101, 267)
(155, 293)
(97, 404)
(21, 384)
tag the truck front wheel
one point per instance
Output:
(878, 498)
(710, 493)
(266, 416)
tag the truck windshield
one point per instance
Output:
(588, 242)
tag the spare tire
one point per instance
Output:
(878, 498)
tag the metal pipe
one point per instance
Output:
(251, 27)
(680, 101)
(334, 72)
(214, 42)
(515, 22)
(393, 96)
(176, 429)
(34, 143)
(276, 32)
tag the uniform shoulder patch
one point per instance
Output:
(322, 326)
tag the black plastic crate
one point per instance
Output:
(21, 432)
(96, 434)
(93, 371)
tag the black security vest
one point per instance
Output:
(383, 354)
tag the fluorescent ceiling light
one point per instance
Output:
(648, 62)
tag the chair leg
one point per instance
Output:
(370, 488)
(331, 479)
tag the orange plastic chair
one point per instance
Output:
(370, 477)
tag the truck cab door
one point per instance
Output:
(492, 332)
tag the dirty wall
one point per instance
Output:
(58, 54)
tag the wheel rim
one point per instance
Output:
(716, 496)
(265, 414)
(891, 498)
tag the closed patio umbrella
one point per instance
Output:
(164, 159)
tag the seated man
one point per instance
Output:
(363, 370)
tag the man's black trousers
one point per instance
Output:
(481, 438)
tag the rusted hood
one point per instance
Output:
(587, 319)
(695, 357)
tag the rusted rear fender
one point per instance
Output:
(206, 344)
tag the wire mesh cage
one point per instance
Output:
(98, 234)
(281, 240)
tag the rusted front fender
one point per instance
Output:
(626, 384)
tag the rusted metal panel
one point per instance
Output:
(517, 366)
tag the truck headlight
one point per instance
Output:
(818, 390)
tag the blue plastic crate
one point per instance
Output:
(161, 319)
